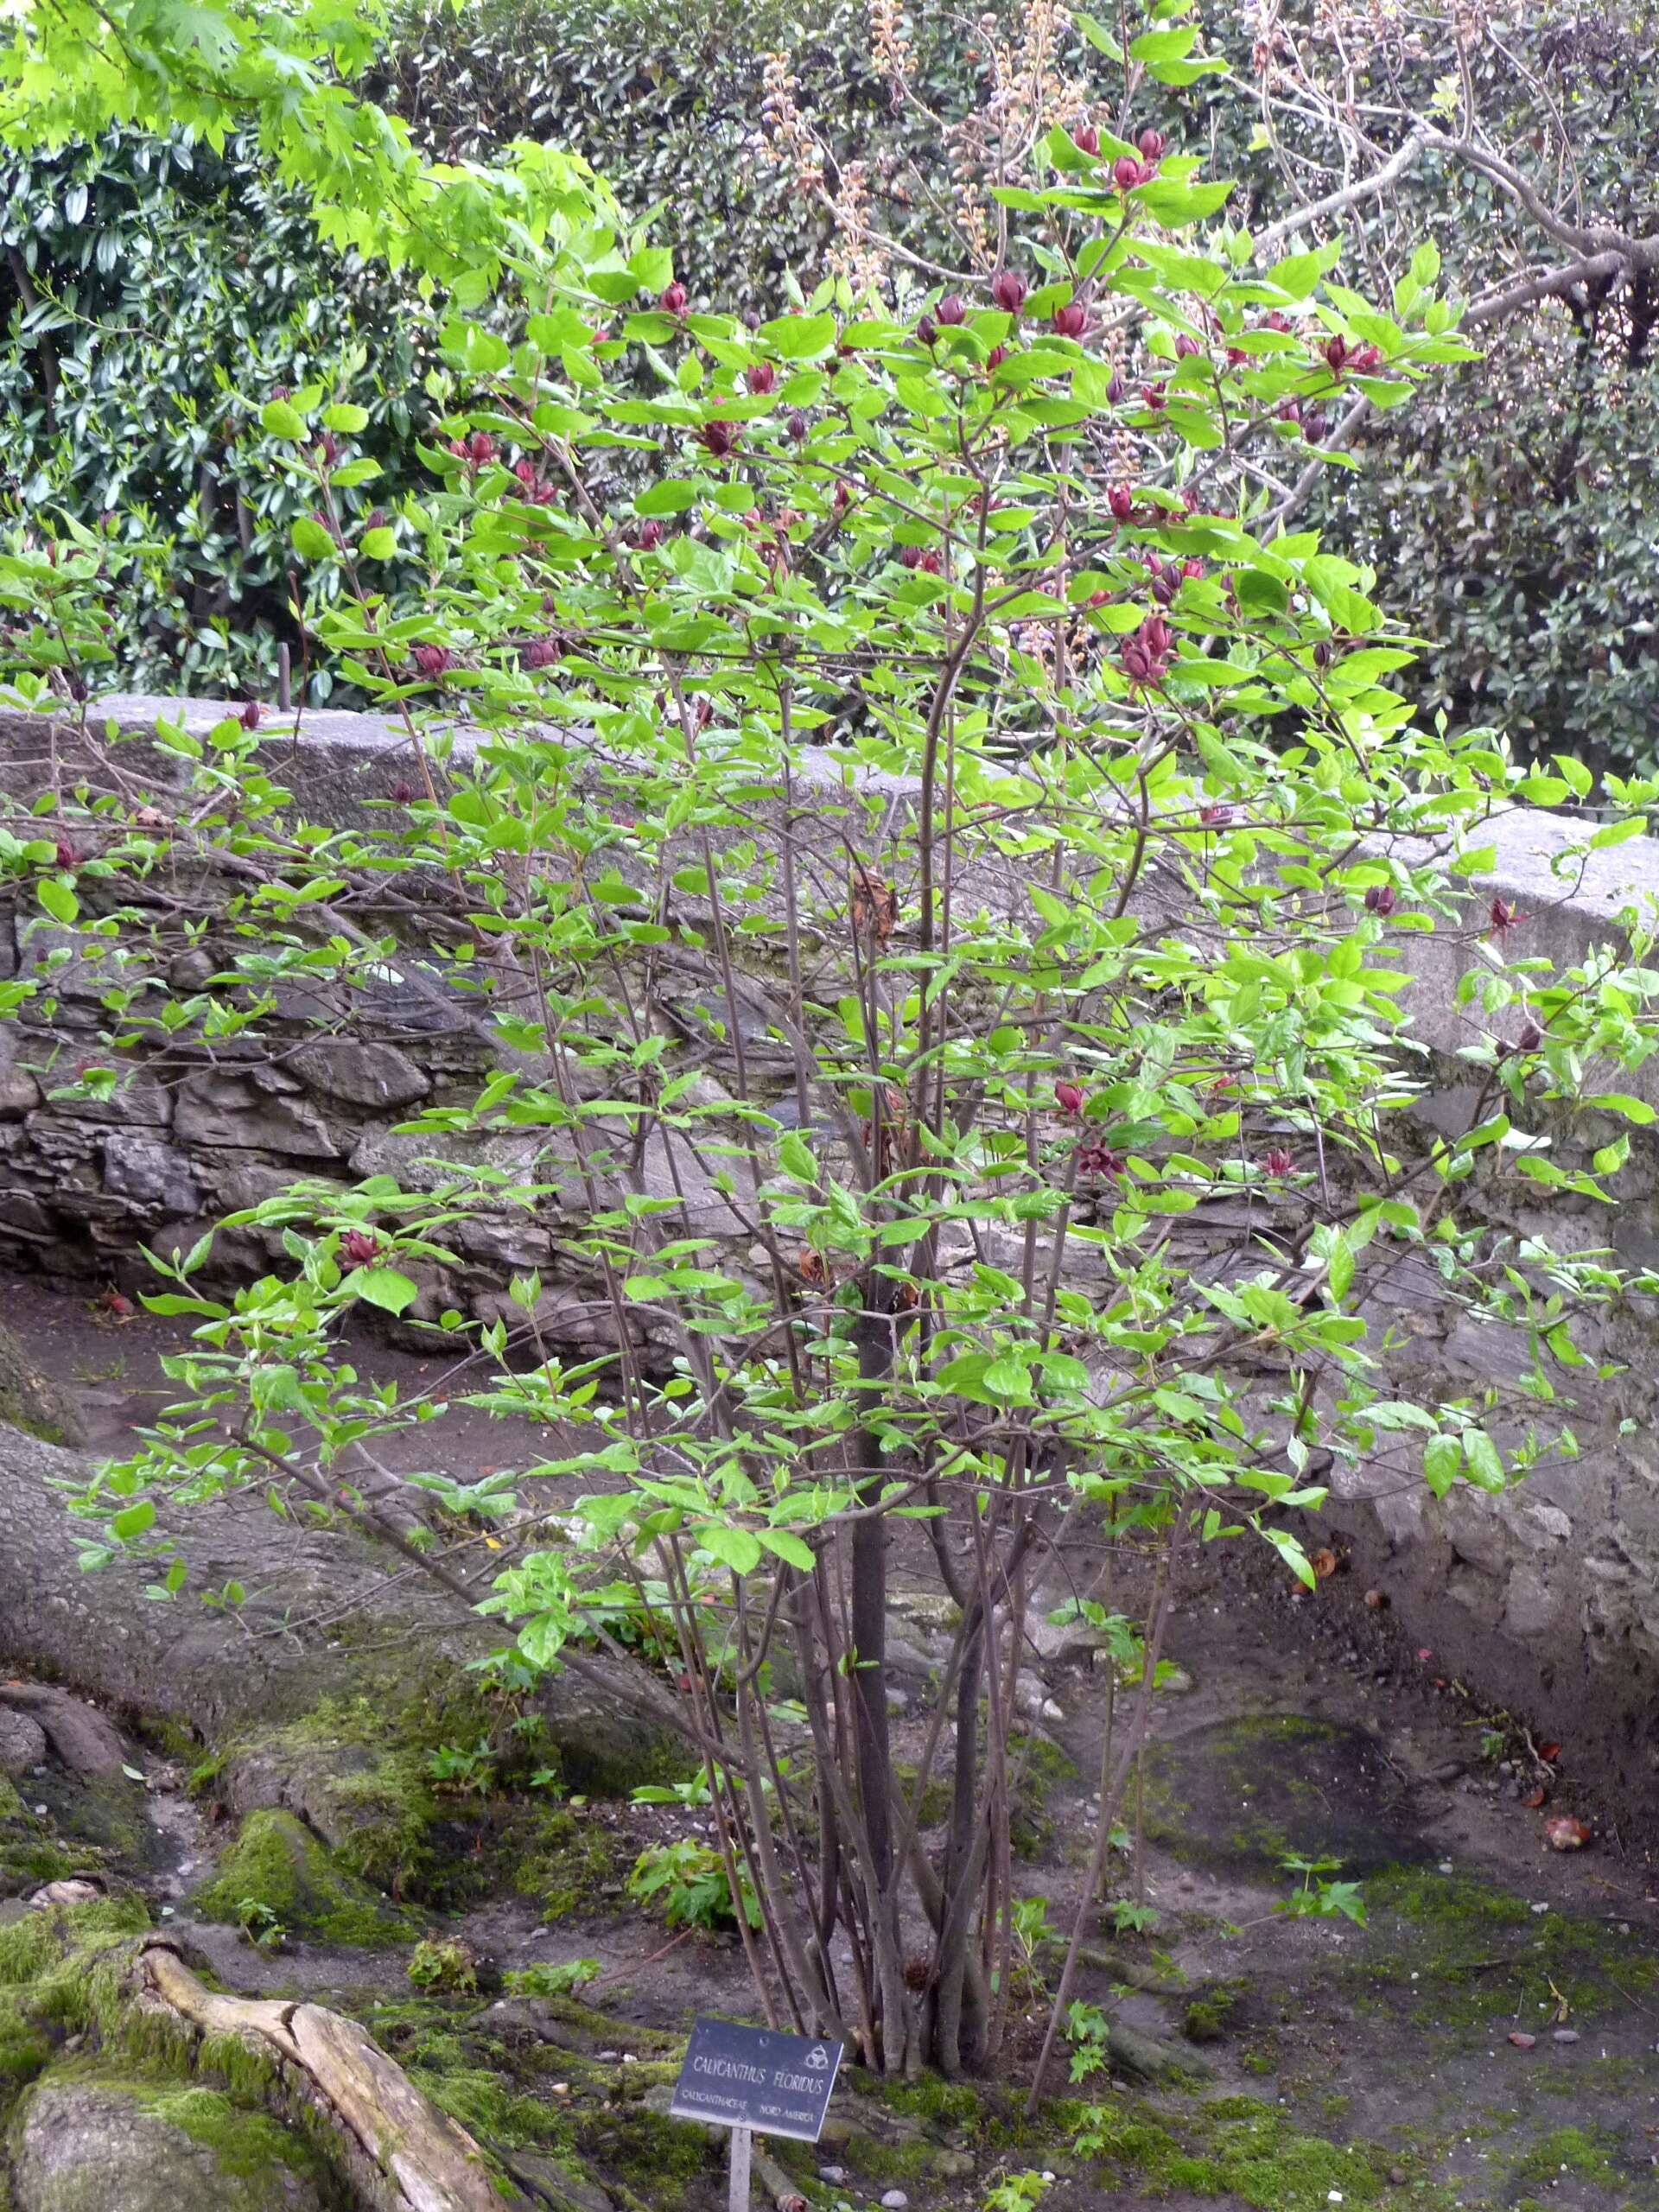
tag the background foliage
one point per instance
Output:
(1509, 519)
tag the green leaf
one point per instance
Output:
(799, 337)
(734, 1548)
(379, 544)
(281, 420)
(133, 1521)
(384, 1288)
(346, 417)
(311, 540)
(792, 1549)
(1484, 1463)
(1442, 1456)
(58, 898)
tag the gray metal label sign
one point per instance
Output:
(755, 2077)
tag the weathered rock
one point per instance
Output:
(233, 1111)
(100, 1632)
(98, 2144)
(22, 1743)
(155, 1175)
(377, 1077)
(30, 1400)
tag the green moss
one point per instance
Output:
(249, 2144)
(1589, 2153)
(1039, 1766)
(566, 1861)
(277, 1863)
(936, 1798)
(446, 1964)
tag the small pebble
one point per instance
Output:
(1521, 2039)
(1565, 2035)
(896, 2201)
(1447, 1867)
(832, 2173)
(40, 1812)
(1398, 2176)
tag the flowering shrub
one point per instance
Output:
(937, 879)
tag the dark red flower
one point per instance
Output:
(1086, 138)
(671, 299)
(761, 378)
(718, 438)
(403, 793)
(67, 856)
(1120, 500)
(525, 471)
(1126, 172)
(481, 448)
(1069, 1096)
(1094, 1160)
(1071, 321)
(358, 1249)
(1186, 347)
(798, 427)
(432, 660)
(1151, 144)
(1277, 1161)
(250, 716)
(1504, 917)
(1216, 816)
(540, 653)
(1146, 654)
(1009, 289)
(926, 330)
(952, 310)
(995, 358)
(1381, 899)
(651, 536)
(1153, 395)
(330, 449)
(1531, 1036)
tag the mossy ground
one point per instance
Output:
(276, 1872)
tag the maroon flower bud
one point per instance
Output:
(761, 377)
(1503, 916)
(1071, 321)
(525, 471)
(910, 556)
(1186, 347)
(1095, 1160)
(76, 685)
(651, 536)
(1115, 389)
(1126, 172)
(1531, 1036)
(843, 498)
(1120, 500)
(330, 449)
(1321, 654)
(1381, 899)
(1216, 816)
(932, 564)
(1335, 354)
(431, 660)
(1153, 395)
(1086, 138)
(1277, 321)
(376, 518)
(798, 427)
(1277, 1161)
(281, 392)
(952, 310)
(401, 793)
(540, 653)
(927, 330)
(1009, 289)
(718, 439)
(458, 446)
(671, 299)
(995, 358)
(358, 1249)
(480, 448)
(1069, 1096)
(67, 856)
(705, 713)
(1151, 144)
(751, 318)
(250, 716)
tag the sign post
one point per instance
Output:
(754, 2080)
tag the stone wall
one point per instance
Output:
(1549, 1595)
